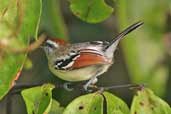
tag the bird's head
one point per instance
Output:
(49, 45)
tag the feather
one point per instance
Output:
(88, 58)
(109, 49)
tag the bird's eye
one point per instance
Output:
(49, 45)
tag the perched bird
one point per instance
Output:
(82, 61)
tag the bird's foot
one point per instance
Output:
(88, 87)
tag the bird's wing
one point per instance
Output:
(83, 58)
(89, 58)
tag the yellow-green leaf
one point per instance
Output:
(92, 11)
(86, 104)
(19, 21)
(115, 105)
(55, 108)
(146, 102)
(97, 103)
(38, 99)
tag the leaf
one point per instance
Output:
(55, 108)
(115, 105)
(91, 11)
(52, 20)
(86, 104)
(19, 21)
(38, 99)
(146, 102)
(97, 103)
(144, 48)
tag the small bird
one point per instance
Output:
(82, 61)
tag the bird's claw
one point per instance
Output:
(86, 89)
(89, 88)
(66, 86)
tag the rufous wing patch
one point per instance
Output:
(87, 59)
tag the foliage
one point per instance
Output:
(19, 21)
(144, 102)
(144, 51)
(17, 24)
(52, 19)
(91, 11)
(38, 99)
(55, 108)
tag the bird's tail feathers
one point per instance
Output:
(113, 44)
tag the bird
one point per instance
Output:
(85, 61)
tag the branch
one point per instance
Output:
(30, 48)
(19, 87)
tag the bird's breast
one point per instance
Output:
(80, 74)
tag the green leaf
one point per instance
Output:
(19, 21)
(86, 104)
(97, 103)
(146, 102)
(52, 20)
(38, 99)
(115, 105)
(55, 108)
(92, 11)
(144, 48)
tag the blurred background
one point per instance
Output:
(143, 57)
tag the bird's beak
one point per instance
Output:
(42, 46)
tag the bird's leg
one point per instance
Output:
(92, 81)
(67, 87)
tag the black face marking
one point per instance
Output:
(64, 64)
(49, 45)
(72, 51)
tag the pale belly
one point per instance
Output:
(80, 74)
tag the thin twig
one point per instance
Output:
(129, 86)
(30, 48)
(19, 87)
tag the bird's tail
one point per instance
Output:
(113, 44)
